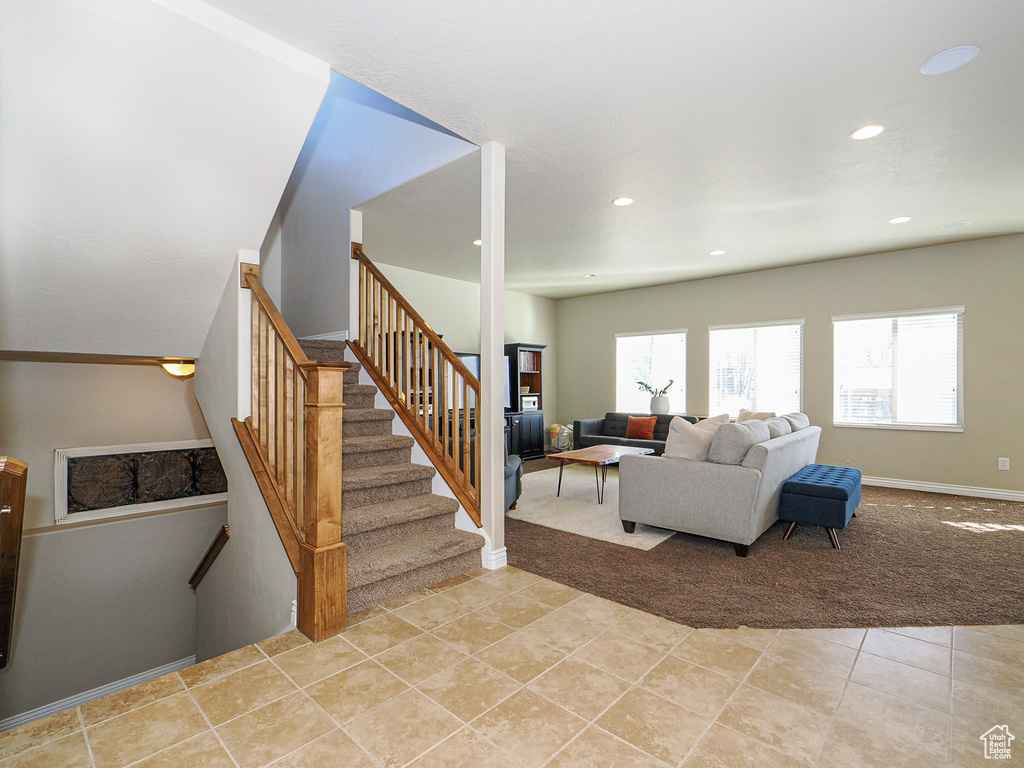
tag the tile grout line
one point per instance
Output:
(842, 697)
(216, 734)
(592, 722)
(85, 735)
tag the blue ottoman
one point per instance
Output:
(820, 494)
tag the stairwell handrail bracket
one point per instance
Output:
(431, 389)
(293, 440)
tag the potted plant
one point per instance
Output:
(659, 402)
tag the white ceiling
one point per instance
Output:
(727, 121)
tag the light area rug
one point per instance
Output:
(577, 511)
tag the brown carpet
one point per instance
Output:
(902, 564)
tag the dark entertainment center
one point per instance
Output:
(524, 406)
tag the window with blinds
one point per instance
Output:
(656, 359)
(757, 367)
(899, 369)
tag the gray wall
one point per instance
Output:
(98, 602)
(247, 595)
(361, 145)
(983, 275)
(102, 603)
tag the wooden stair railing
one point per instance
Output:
(13, 479)
(292, 441)
(429, 387)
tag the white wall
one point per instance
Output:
(247, 595)
(360, 146)
(107, 600)
(452, 309)
(983, 275)
(144, 142)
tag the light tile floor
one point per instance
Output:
(503, 668)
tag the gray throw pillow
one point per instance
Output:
(797, 420)
(732, 441)
(778, 427)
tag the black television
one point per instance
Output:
(472, 361)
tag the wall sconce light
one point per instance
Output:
(181, 370)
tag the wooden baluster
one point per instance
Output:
(282, 421)
(288, 444)
(441, 406)
(322, 598)
(300, 450)
(254, 344)
(362, 305)
(264, 330)
(269, 442)
(466, 433)
(476, 441)
(406, 361)
(395, 350)
(378, 301)
(424, 382)
(436, 361)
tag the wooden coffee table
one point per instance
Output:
(598, 456)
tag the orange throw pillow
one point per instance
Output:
(641, 427)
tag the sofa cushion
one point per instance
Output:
(746, 415)
(615, 424)
(640, 427)
(732, 441)
(797, 420)
(692, 441)
(778, 427)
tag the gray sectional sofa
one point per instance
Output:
(611, 430)
(734, 502)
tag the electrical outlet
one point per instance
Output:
(1004, 464)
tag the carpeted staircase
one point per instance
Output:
(401, 537)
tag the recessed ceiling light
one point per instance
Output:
(899, 220)
(956, 224)
(716, 253)
(867, 132)
(621, 201)
(949, 59)
(590, 274)
(478, 242)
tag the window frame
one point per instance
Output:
(686, 362)
(801, 322)
(960, 311)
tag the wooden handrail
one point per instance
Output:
(292, 441)
(13, 480)
(211, 554)
(430, 388)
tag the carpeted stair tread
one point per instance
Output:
(374, 516)
(324, 349)
(395, 558)
(390, 474)
(368, 414)
(372, 443)
(360, 389)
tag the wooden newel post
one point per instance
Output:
(322, 588)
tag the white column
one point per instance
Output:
(355, 235)
(244, 402)
(492, 350)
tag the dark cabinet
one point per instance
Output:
(526, 434)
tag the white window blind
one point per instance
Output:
(655, 359)
(759, 368)
(899, 370)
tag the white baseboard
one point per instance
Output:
(336, 336)
(96, 693)
(495, 558)
(954, 490)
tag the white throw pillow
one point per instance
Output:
(797, 420)
(732, 441)
(746, 415)
(692, 441)
(778, 426)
